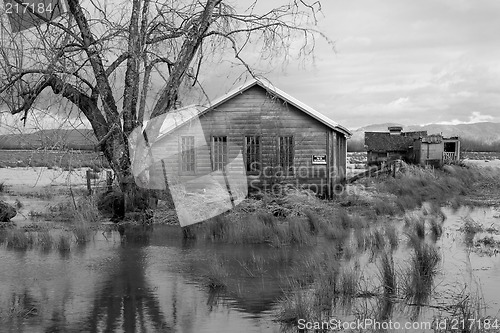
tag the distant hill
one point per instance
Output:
(82, 139)
(477, 136)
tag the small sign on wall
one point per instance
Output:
(319, 159)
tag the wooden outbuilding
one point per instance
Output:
(257, 131)
(383, 147)
(414, 147)
(435, 150)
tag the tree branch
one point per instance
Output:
(118, 61)
(89, 43)
(145, 84)
(195, 35)
(131, 88)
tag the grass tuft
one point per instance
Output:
(64, 242)
(82, 232)
(45, 240)
(392, 236)
(217, 274)
(388, 274)
(19, 239)
(418, 282)
(436, 228)
(470, 226)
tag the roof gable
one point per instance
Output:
(283, 96)
(184, 115)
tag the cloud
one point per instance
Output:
(400, 102)
(475, 117)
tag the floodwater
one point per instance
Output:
(158, 282)
(464, 262)
(144, 285)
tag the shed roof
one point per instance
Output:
(178, 117)
(433, 138)
(383, 141)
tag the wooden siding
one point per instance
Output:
(255, 112)
(430, 151)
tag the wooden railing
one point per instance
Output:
(449, 156)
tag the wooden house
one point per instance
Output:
(257, 136)
(413, 147)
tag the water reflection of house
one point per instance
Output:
(414, 147)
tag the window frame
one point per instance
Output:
(225, 158)
(181, 155)
(258, 154)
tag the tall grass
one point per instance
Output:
(254, 266)
(45, 240)
(377, 242)
(414, 229)
(436, 228)
(217, 274)
(82, 232)
(298, 232)
(387, 273)
(296, 305)
(415, 185)
(19, 239)
(86, 210)
(389, 284)
(470, 227)
(392, 236)
(469, 308)
(319, 285)
(384, 207)
(256, 228)
(83, 210)
(313, 221)
(417, 284)
(64, 242)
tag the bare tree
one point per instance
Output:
(102, 57)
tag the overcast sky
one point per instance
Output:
(404, 61)
(400, 61)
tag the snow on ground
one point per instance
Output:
(484, 163)
(35, 178)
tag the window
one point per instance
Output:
(187, 154)
(252, 153)
(450, 147)
(219, 152)
(286, 153)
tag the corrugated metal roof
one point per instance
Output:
(183, 115)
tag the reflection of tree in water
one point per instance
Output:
(127, 299)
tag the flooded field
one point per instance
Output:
(152, 284)
(155, 281)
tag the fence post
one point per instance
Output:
(89, 187)
(109, 180)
